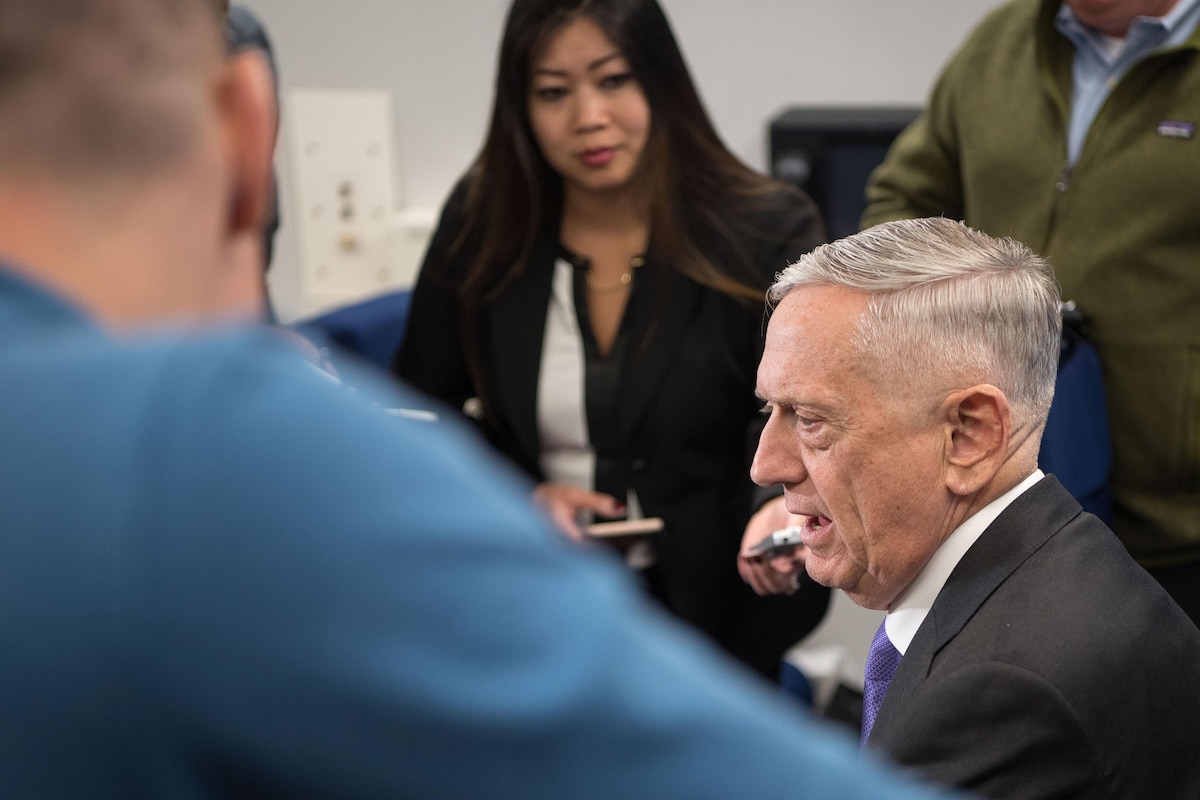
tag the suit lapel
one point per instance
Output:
(516, 325)
(654, 324)
(655, 321)
(1015, 535)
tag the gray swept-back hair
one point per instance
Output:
(99, 87)
(949, 306)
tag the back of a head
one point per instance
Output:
(947, 302)
(93, 88)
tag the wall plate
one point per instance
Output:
(342, 145)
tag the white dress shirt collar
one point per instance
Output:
(911, 607)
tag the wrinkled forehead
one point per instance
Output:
(829, 314)
(810, 337)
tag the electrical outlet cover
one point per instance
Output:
(342, 166)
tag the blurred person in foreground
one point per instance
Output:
(908, 372)
(224, 576)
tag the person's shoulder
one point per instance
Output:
(137, 363)
(774, 206)
(458, 235)
(196, 372)
(793, 204)
(1020, 10)
(461, 195)
(243, 368)
(781, 222)
(186, 357)
(1015, 18)
(250, 412)
(1000, 44)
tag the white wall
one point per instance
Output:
(436, 57)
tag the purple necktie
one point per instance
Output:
(882, 660)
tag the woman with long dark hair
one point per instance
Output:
(595, 291)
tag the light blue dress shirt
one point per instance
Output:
(1101, 61)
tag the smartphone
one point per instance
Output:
(778, 543)
(625, 527)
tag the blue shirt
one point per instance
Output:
(224, 576)
(1101, 61)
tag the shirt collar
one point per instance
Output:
(911, 607)
(1144, 34)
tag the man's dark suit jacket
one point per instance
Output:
(685, 420)
(1050, 666)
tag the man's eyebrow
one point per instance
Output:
(779, 401)
(824, 409)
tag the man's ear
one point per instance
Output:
(248, 110)
(978, 424)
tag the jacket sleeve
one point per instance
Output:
(432, 356)
(922, 174)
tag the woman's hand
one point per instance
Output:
(778, 575)
(564, 503)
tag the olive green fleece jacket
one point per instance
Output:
(1121, 228)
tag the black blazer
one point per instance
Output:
(1050, 666)
(686, 420)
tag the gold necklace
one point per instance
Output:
(624, 280)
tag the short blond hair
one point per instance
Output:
(91, 86)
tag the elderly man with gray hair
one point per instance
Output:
(908, 373)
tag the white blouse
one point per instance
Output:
(566, 455)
